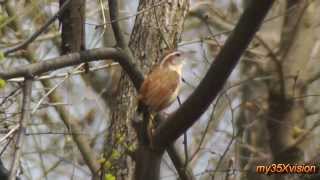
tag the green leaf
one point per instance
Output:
(109, 177)
(107, 165)
(2, 18)
(1, 56)
(115, 154)
(2, 83)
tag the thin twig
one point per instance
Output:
(103, 16)
(63, 75)
(233, 134)
(303, 136)
(211, 118)
(130, 16)
(37, 33)
(185, 173)
(13, 130)
(51, 90)
(25, 117)
(5, 146)
(10, 95)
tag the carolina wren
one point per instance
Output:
(161, 86)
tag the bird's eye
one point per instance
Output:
(178, 54)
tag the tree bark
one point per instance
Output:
(72, 23)
(155, 30)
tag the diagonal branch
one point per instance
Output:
(25, 117)
(114, 14)
(213, 82)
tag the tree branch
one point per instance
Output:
(221, 68)
(114, 14)
(25, 117)
(75, 59)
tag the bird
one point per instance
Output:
(159, 90)
(161, 86)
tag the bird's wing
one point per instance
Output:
(168, 89)
(145, 86)
(158, 88)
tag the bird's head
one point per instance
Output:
(173, 60)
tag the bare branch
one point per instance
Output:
(8, 135)
(114, 14)
(25, 117)
(63, 75)
(206, 92)
(129, 16)
(37, 33)
(118, 34)
(75, 59)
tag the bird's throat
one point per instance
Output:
(177, 68)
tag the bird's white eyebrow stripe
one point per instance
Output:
(168, 56)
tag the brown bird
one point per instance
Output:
(161, 86)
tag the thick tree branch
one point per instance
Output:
(205, 93)
(119, 36)
(25, 117)
(114, 14)
(75, 59)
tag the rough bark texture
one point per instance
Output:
(72, 27)
(153, 30)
